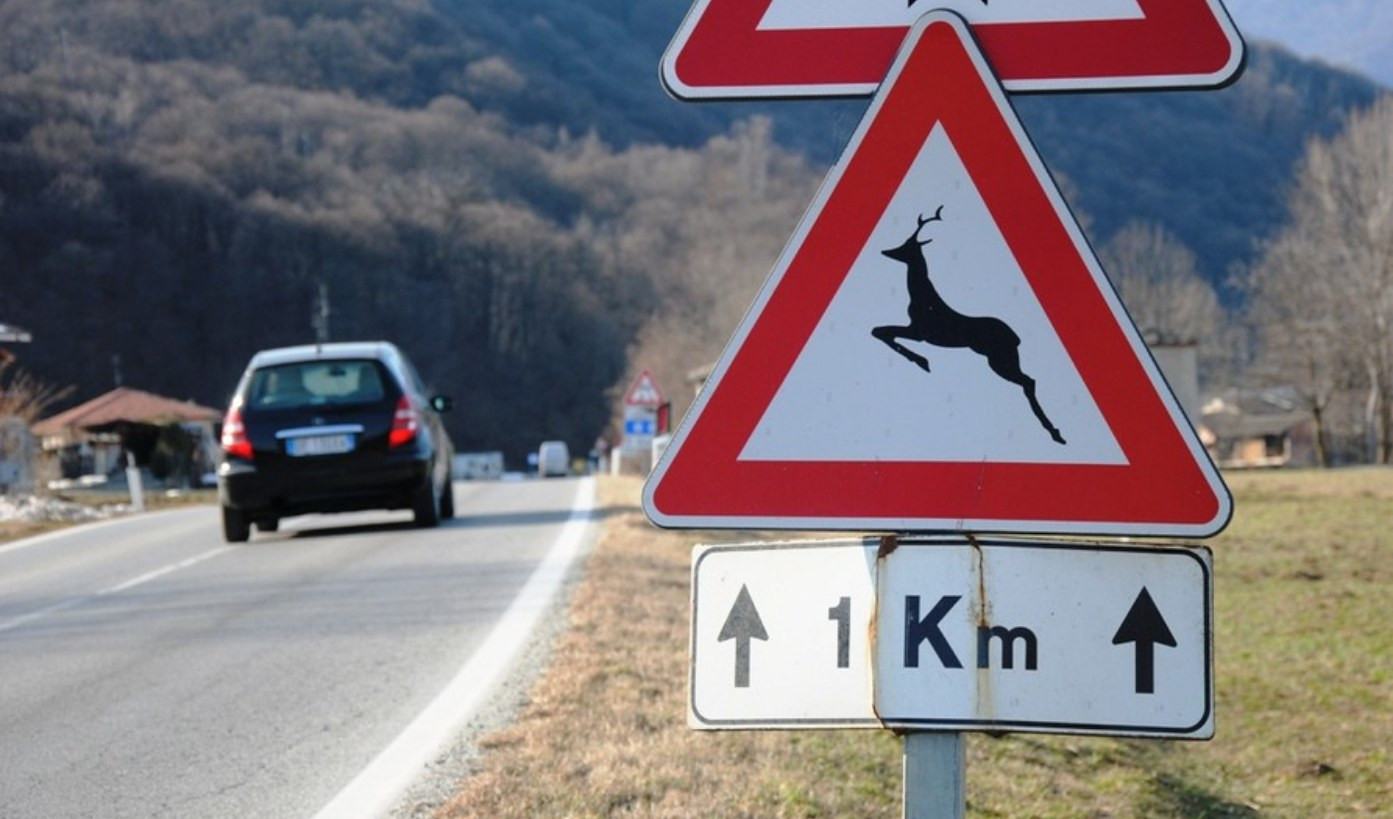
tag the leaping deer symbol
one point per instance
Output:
(933, 322)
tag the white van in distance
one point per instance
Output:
(553, 459)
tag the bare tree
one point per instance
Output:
(704, 227)
(23, 398)
(1295, 314)
(1322, 295)
(22, 395)
(1158, 279)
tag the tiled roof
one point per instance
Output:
(126, 404)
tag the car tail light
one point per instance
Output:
(405, 422)
(234, 434)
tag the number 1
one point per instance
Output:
(841, 613)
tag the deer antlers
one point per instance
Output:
(937, 217)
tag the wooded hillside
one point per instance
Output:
(502, 189)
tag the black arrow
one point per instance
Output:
(742, 625)
(1144, 626)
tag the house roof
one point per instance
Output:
(1226, 425)
(9, 332)
(129, 405)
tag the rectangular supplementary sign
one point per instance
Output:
(948, 634)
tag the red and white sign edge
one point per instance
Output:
(721, 51)
(1167, 487)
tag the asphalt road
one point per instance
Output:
(150, 670)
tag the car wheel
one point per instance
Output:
(268, 524)
(426, 507)
(447, 501)
(235, 528)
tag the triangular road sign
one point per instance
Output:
(644, 392)
(747, 49)
(937, 348)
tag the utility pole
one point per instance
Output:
(67, 64)
(319, 317)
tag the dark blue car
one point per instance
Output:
(332, 428)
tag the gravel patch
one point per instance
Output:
(37, 509)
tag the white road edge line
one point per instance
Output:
(377, 788)
(72, 602)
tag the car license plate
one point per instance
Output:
(319, 445)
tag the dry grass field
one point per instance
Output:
(1304, 657)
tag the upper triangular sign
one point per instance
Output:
(937, 348)
(748, 49)
(644, 392)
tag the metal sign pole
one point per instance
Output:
(935, 767)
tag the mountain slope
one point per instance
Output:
(1210, 166)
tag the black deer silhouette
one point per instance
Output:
(933, 322)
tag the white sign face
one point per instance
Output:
(796, 673)
(815, 14)
(868, 407)
(998, 636)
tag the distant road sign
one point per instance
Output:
(739, 49)
(645, 413)
(952, 635)
(938, 349)
(644, 392)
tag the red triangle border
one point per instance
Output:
(1168, 485)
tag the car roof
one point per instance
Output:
(383, 351)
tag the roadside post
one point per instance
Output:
(644, 419)
(935, 775)
(1019, 399)
(135, 483)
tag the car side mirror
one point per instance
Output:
(442, 403)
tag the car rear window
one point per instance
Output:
(316, 383)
